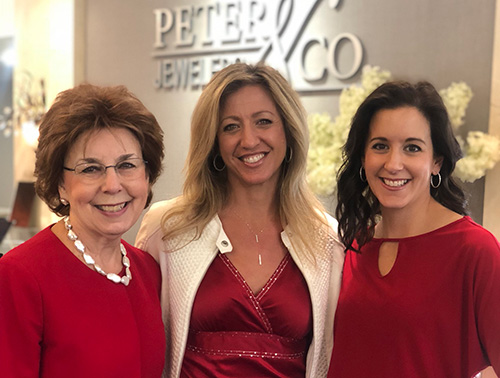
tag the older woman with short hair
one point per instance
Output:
(76, 300)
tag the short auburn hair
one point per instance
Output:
(86, 108)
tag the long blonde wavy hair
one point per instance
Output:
(205, 189)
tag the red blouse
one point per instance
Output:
(435, 314)
(59, 319)
(234, 333)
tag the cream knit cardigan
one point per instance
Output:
(184, 269)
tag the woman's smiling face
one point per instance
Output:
(251, 137)
(399, 158)
(109, 205)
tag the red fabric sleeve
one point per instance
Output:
(487, 300)
(21, 319)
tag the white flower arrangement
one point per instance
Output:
(481, 150)
(327, 137)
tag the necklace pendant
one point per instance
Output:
(253, 232)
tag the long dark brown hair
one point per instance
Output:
(357, 207)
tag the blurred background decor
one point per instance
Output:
(29, 106)
(6, 123)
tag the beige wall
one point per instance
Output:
(6, 18)
(491, 218)
(45, 45)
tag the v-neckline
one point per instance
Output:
(255, 298)
(269, 283)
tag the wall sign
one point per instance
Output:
(192, 42)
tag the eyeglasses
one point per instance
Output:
(130, 169)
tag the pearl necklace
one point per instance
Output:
(89, 260)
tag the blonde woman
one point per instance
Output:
(251, 264)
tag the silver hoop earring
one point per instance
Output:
(63, 201)
(362, 174)
(435, 186)
(214, 162)
(288, 156)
